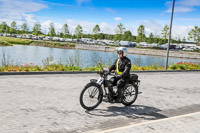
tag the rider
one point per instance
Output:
(122, 65)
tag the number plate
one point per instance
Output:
(100, 81)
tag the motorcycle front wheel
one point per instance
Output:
(91, 96)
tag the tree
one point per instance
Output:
(117, 37)
(65, 30)
(51, 30)
(141, 34)
(120, 29)
(184, 39)
(7, 29)
(101, 36)
(127, 36)
(161, 41)
(150, 39)
(96, 29)
(13, 27)
(178, 40)
(194, 34)
(24, 28)
(78, 32)
(36, 29)
(165, 32)
(3, 27)
(61, 35)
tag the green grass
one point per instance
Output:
(53, 44)
(60, 67)
(13, 40)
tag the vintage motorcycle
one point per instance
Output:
(98, 90)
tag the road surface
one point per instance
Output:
(170, 102)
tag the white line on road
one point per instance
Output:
(148, 122)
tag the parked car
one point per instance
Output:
(55, 38)
(133, 44)
(19, 36)
(74, 40)
(125, 43)
(40, 37)
(35, 37)
(47, 38)
(188, 49)
(68, 40)
(61, 39)
(6, 34)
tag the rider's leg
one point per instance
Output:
(120, 85)
(113, 81)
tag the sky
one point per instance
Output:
(153, 14)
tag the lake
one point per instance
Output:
(21, 54)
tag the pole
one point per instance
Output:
(166, 65)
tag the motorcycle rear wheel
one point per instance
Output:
(129, 95)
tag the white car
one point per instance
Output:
(55, 39)
(61, 39)
(68, 40)
(188, 49)
(19, 36)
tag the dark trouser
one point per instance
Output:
(120, 83)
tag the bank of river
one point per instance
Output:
(177, 54)
(51, 44)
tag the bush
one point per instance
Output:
(185, 66)
(4, 43)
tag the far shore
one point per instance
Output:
(140, 51)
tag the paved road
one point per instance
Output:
(50, 104)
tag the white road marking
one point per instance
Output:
(148, 122)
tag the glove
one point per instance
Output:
(118, 77)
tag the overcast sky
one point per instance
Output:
(153, 14)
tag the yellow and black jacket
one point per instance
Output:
(122, 67)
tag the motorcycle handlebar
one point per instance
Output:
(106, 73)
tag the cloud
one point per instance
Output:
(183, 5)
(156, 28)
(19, 11)
(14, 9)
(87, 26)
(110, 10)
(117, 18)
(106, 28)
(152, 26)
(181, 31)
(80, 2)
(45, 26)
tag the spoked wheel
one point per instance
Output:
(91, 96)
(130, 94)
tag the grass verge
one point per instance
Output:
(60, 67)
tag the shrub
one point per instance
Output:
(4, 43)
(185, 66)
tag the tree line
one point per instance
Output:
(120, 33)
